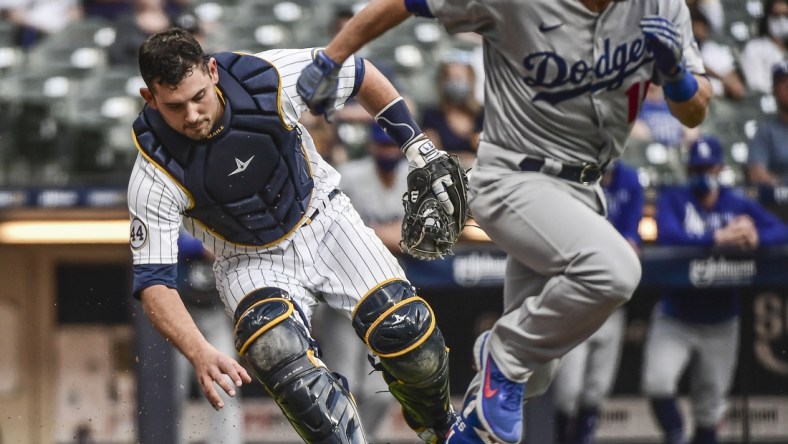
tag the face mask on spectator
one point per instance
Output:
(457, 91)
(702, 184)
(778, 27)
(387, 164)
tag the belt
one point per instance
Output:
(334, 193)
(585, 174)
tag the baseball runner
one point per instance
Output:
(700, 325)
(564, 81)
(588, 371)
(221, 152)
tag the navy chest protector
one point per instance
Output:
(249, 181)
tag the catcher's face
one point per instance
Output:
(191, 107)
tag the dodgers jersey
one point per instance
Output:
(562, 82)
(682, 221)
(157, 203)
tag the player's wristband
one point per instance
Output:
(396, 119)
(326, 64)
(682, 88)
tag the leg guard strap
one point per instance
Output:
(400, 329)
(279, 350)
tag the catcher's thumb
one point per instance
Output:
(439, 186)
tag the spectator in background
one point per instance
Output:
(107, 9)
(762, 52)
(197, 287)
(655, 123)
(768, 154)
(147, 17)
(699, 327)
(375, 184)
(455, 122)
(341, 16)
(37, 19)
(718, 58)
(712, 10)
(588, 371)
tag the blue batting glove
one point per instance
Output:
(317, 85)
(664, 41)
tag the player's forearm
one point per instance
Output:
(692, 112)
(376, 18)
(169, 316)
(376, 90)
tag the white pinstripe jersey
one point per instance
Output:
(563, 82)
(333, 255)
(159, 203)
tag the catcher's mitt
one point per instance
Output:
(428, 230)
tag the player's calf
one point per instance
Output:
(278, 347)
(400, 329)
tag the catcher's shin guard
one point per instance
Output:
(400, 329)
(278, 347)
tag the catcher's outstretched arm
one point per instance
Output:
(376, 91)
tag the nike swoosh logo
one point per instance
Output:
(488, 392)
(547, 28)
(241, 166)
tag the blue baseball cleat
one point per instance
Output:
(499, 400)
(468, 429)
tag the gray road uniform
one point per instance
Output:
(563, 87)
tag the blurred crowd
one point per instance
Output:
(69, 91)
(69, 85)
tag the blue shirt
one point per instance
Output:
(682, 221)
(664, 127)
(769, 148)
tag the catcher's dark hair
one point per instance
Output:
(169, 56)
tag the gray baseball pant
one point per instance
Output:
(568, 268)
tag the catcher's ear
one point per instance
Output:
(147, 94)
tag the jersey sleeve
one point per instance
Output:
(771, 230)
(458, 15)
(758, 154)
(290, 62)
(156, 205)
(679, 15)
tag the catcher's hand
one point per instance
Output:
(317, 85)
(435, 208)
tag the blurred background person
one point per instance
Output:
(375, 184)
(761, 53)
(455, 122)
(655, 123)
(699, 327)
(587, 373)
(146, 18)
(718, 59)
(38, 19)
(767, 162)
(712, 10)
(197, 287)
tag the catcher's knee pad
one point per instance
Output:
(400, 329)
(279, 349)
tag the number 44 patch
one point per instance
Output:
(139, 234)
